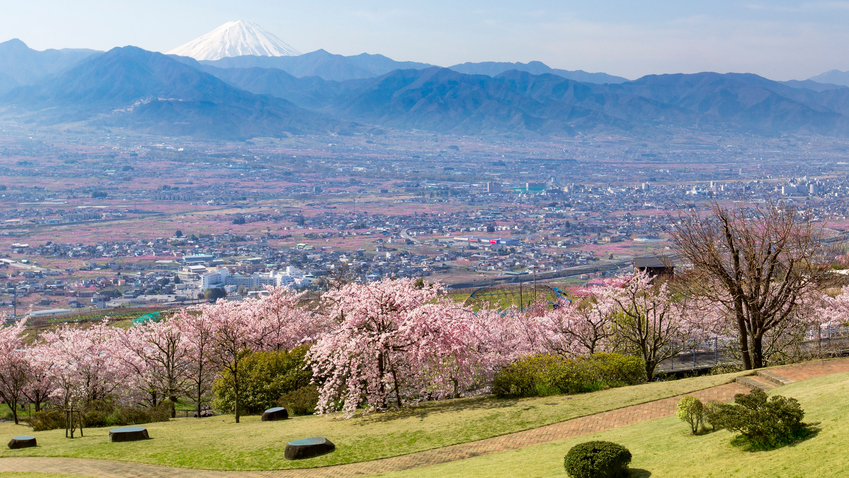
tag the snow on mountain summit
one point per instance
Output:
(235, 39)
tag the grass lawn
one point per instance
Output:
(664, 447)
(219, 443)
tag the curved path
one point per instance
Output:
(513, 441)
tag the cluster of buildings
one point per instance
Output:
(220, 277)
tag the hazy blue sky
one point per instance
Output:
(778, 39)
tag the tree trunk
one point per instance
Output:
(236, 384)
(744, 336)
(382, 386)
(650, 371)
(200, 396)
(757, 351)
(236, 389)
(397, 391)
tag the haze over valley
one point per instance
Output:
(283, 166)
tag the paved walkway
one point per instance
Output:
(558, 431)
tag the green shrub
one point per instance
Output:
(300, 402)
(691, 410)
(137, 416)
(50, 419)
(764, 422)
(264, 377)
(541, 375)
(106, 413)
(98, 413)
(724, 368)
(528, 376)
(600, 371)
(597, 459)
(713, 414)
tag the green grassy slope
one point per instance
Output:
(219, 443)
(664, 448)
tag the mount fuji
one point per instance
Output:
(233, 39)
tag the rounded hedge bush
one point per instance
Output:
(597, 459)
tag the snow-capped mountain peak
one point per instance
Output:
(235, 39)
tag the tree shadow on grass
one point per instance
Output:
(806, 432)
(427, 409)
(638, 473)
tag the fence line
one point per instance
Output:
(712, 352)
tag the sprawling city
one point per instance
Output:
(126, 221)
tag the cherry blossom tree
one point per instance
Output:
(759, 262)
(647, 321)
(580, 327)
(810, 312)
(235, 333)
(395, 342)
(41, 384)
(218, 336)
(443, 362)
(197, 329)
(15, 372)
(833, 311)
(813, 311)
(282, 324)
(498, 338)
(84, 362)
(140, 385)
(158, 354)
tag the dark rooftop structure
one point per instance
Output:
(655, 266)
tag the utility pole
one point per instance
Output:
(535, 281)
(521, 300)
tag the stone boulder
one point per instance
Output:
(276, 413)
(23, 441)
(128, 434)
(308, 448)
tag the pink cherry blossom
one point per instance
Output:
(15, 372)
(395, 345)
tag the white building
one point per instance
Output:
(211, 280)
(291, 277)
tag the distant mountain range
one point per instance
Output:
(20, 65)
(322, 64)
(341, 68)
(491, 68)
(444, 100)
(234, 98)
(835, 77)
(151, 92)
(246, 45)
